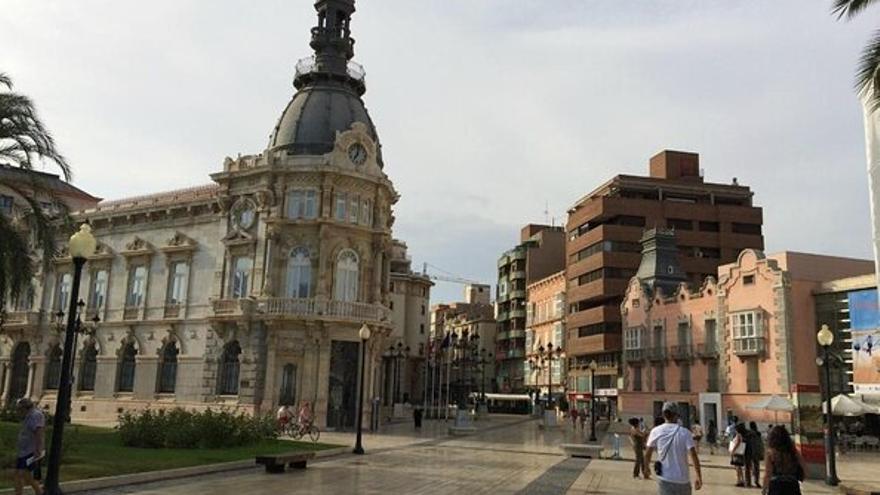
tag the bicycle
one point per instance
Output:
(297, 430)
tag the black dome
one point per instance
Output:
(309, 124)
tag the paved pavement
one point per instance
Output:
(508, 455)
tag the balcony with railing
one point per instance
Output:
(131, 313)
(502, 335)
(749, 346)
(232, 308)
(518, 294)
(682, 352)
(517, 313)
(312, 308)
(172, 310)
(517, 334)
(22, 319)
(707, 350)
(656, 353)
(634, 355)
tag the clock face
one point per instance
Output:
(244, 216)
(357, 154)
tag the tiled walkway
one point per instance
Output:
(509, 455)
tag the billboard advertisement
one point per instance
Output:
(864, 314)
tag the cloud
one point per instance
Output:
(488, 110)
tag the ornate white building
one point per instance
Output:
(245, 293)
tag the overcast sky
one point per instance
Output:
(488, 110)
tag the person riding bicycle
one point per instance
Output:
(284, 416)
(304, 416)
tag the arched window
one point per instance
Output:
(127, 368)
(89, 368)
(346, 276)
(64, 285)
(53, 368)
(229, 368)
(288, 385)
(20, 370)
(168, 368)
(299, 273)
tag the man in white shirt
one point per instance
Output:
(673, 442)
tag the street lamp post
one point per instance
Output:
(81, 245)
(826, 338)
(364, 334)
(593, 367)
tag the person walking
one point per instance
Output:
(573, 413)
(29, 447)
(737, 450)
(754, 455)
(783, 466)
(697, 432)
(638, 438)
(417, 417)
(712, 436)
(730, 431)
(673, 443)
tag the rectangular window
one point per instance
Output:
(353, 209)
(632, 338)
(5, 204)
(685, 382)
(747, 324)
(341, 200)
(749, 280)
(659, 378)
(62, 297)
(637, 378)
(423, 309)
(559, 306)
(558, 335)
(683, 331)
(746, 228)
(680, 224)
(241, 275)
(709, 227)
(177, 278)
(367, 212)
(753, 376)
(422, 328)
(98, 289)
(530, 335)
(658, 336)
(711, 337)
(712, 369)
(302, 203)
(137, 285)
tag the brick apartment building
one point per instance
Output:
(713, 223)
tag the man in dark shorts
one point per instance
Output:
(29, 447)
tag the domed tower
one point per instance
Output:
(308, 238)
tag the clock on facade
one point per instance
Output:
(243, 215)
(357, 154)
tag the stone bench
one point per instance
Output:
(585, 450)
(275, 462)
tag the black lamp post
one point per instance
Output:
(364, 334)
(82, 244)
(485, 358)
(826, 338)
(593, 367)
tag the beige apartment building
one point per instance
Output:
(545, 335)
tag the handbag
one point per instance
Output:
(737, 449)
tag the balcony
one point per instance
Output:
(518, 274)
(749, 346)
(517, 313)
(518, 294)
(682, 352)
(22, 319)
(517, 334)
(518, 254)
(311, 308)
(502, 316)
(231, 308)
(707, 350)
(634, 355)
(502, 261)
(502, 336)
(656, 353)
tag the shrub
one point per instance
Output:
(179, 428)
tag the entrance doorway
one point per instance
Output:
(342, 385)
(19, 380)
(710, 413)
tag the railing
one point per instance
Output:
(708, 350)
(232, 307)
(24, 318)
(503, 316)
(517, 313)
(516, 334)
(502, 335)
(634, 354)
(656, 353)
(309, 64)
(749, 346)
(682, 352)
(518, 274)
(518, 294)
(317, 308)
(131, 313)
(172, 310)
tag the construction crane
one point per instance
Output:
(449, 277)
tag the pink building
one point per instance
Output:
(727, 344)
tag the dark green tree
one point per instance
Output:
(868, 71)
(27, 235)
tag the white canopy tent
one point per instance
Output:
(773, 403)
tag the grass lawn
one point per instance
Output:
(96, 452)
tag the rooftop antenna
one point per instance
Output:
(546, 212)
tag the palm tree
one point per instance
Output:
(868, 72)
(25, 141)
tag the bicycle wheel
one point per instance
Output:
(297, 433)
(314, 433)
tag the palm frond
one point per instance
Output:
(850, 8)
(5, 80)
(868, 73)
